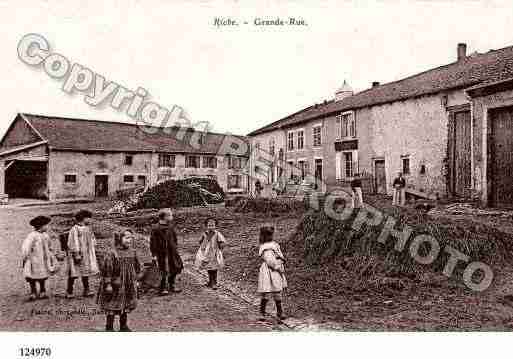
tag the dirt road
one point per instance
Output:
(195, 309)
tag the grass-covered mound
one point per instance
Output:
(321, 240)
(269, 205)
(196, 191)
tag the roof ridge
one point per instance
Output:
(115, 123)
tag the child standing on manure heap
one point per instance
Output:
(81, 254)
(164, 249)
(120, 272)
(210, 253)
(38, 259)
(271, 277)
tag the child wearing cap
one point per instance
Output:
(38, 259)
(81, 254)
(271, 276)
(210, 252)
(164, 250)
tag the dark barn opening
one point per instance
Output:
(27, 179)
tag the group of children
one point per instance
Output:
(120, 271)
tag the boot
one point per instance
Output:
(214, 279)
(69, 289)
(263, 314)
(279, 310)
(42, 289)
(172, 287)
(109, 327)
(210, 278)
(163, 285)
(87, 291)
(123, 323)
(33, 290)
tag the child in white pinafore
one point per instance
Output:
(38, 259)
(271, 277)
(81, 253)
(210, 253)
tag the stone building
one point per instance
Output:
(422, 126)
(53, 157)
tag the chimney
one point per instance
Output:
(462, 51)
(375, 84)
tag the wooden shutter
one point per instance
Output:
(338, 165)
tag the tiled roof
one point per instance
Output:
(91, 135)
(494, 65)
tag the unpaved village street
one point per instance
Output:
(195, 309)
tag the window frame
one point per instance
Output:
(403, 159)
(290, 141)
(129, 162)
(302, 138)
(70, 183)
(171, 159)
(228, 182)
(188, 159)
(347, 128)
(128, 175)
(317, 127)
(209, 161)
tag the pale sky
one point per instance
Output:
(237, 78)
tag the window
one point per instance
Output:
(406, 165)
(317, 136)
(71, 179)
(290, 141)
(128, 178)
(271, 146)
(166, 160)
(348, 164)
(209, 162)
(129, 159)
(234, 181)
(300, 139)
(141, 181)
(280, 154)
(234, 162)
(347, 125)
(192, 161)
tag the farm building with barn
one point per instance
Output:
(54, 158)
(448, 130)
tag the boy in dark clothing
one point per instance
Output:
(164, 249)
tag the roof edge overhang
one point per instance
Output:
(490, 88)
(22, 148)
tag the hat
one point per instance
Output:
(83, 213)
(40, 221)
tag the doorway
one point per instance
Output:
(501, 154)
(380, 176)
(459, 154)
(318, 173)
(101, 185)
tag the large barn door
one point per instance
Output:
(459, 153)
(501, 156)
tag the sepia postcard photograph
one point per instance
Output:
(250, 178)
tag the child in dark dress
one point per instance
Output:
(120, 273)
